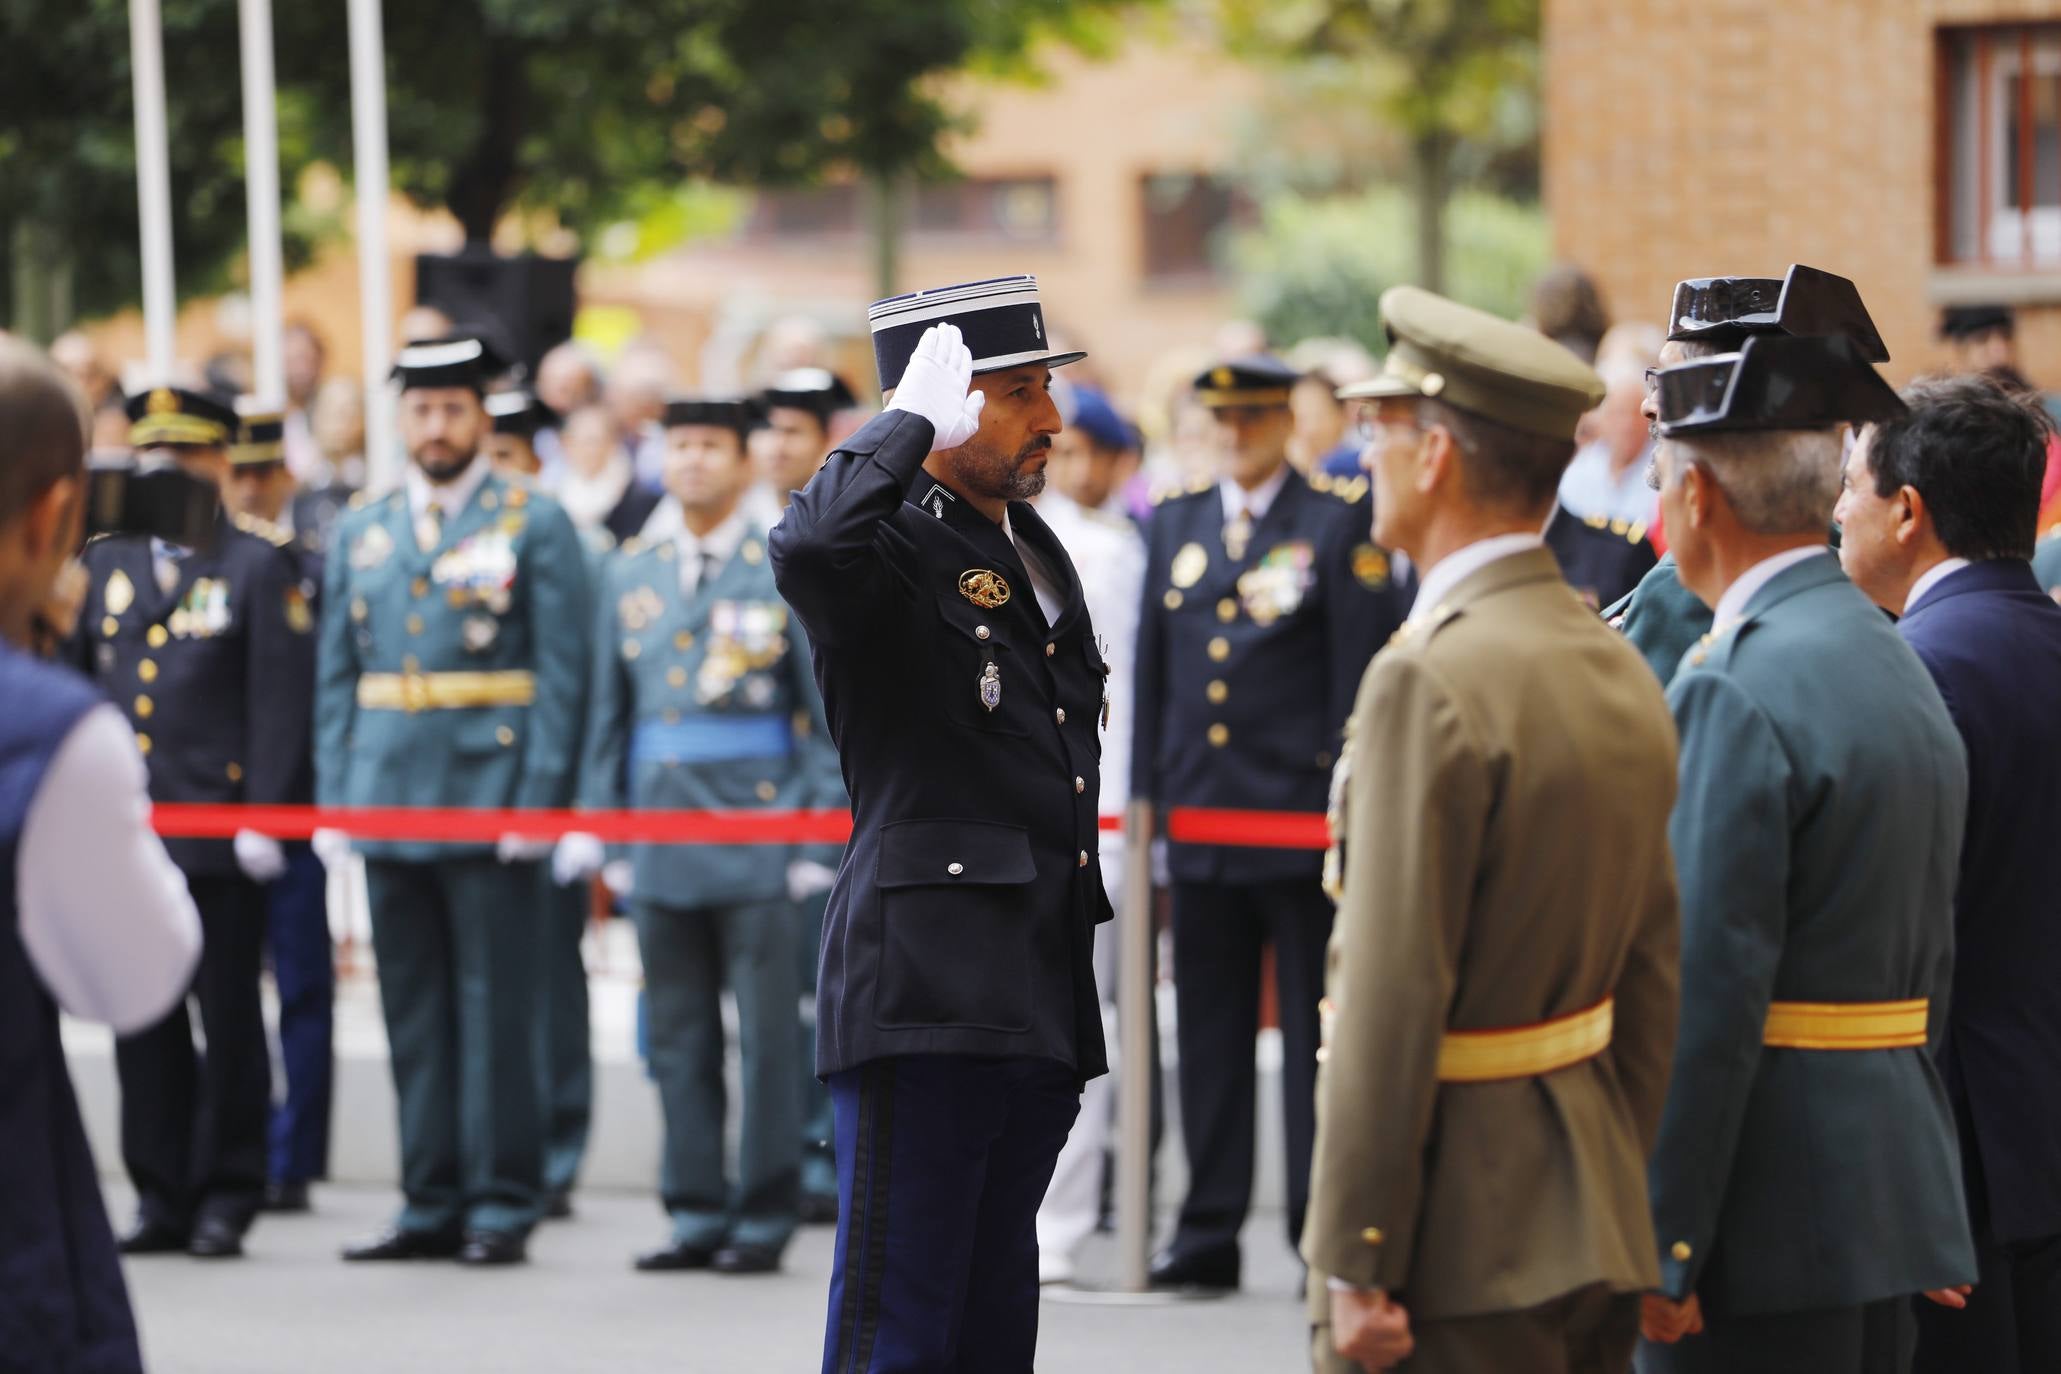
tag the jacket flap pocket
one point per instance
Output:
(983, 627)
(944, 853)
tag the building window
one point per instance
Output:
(1185, 218)
(1999, 161)
(805, 212)
(1016, 209)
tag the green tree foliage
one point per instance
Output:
(1317, 267)
(1446, 75)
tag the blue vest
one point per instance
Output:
(62, 1303)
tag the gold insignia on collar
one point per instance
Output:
(1189, 565)
(162, 402)
(984, 588)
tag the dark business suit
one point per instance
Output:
(956, 1007)
(1247, 668)
(1991, 638)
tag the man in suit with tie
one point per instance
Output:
(1937, 517)
(1807, 1182)
(453, 669)
(1264, 598)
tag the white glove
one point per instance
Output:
(332, 847)
(806, 877)
(259, 856)
(521, 849)
(616, 875)
(937, 385)
(578, 857)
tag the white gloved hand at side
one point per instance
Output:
(937, 385)
(806, 877)
(259, 856)
(332, 847)
(579, 856)
(617, 875)
(521, 849)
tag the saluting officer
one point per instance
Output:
(957, 1016)
(565, 1028)
(1501, 995)
(262, 499)
(1711, 315)
(454, 640)
(1807, 1180)
(1264, 598)
(703, 700)
(799, 407)
(211, 655)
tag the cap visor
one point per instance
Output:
(1383, 387)
(1046, 360)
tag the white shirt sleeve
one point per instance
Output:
(104, 913)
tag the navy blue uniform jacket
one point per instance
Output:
(962, 920)
(1991, 638)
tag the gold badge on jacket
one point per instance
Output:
(373, 548)
(1370, 566)
(1189, 565)
(984, 588)
(120, 593)
(300, 617)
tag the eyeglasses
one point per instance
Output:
(1369, 428)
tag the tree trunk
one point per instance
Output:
(485, 182)
(884, 222)
(42, 285)
(1430, 186)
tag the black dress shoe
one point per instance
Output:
(151, 1237)
(678, 1255)
(819, 1209)
(488, 1248)
(746, 1259)
(215, 1238)
(1212, 1270)
(558, 1207)
(397, 1244)
(287, 1197)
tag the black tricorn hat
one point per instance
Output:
(1775, 382)
(1726, 311)
(817, 390)
(518, 412)
(732, 413)
(1965, 321)
(1001, 320)
(462, 360)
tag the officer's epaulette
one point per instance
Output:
(1161, 495)
(1419, 631)
(604, 541)
(1631, 531)
(277, 535)
(1716, 648)
(631, 547)
(1348, 489)
(1108, 519)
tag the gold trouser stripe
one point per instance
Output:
(445, 691)
(1483, 1056)
(1847, 1025)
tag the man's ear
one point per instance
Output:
(51, 519)
(1698, 493)
(1912, 516)
(1437, 453)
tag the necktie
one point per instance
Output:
(429, 526)
(1237, 531)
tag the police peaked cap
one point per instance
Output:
(260, 435)
(1725, 311)
(1775, 382)
(177, 415)
(1001, 320)
(1258, 380)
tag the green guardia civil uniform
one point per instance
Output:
(453, 665)
(704, 699)
(1661, 618)
(2046, 562)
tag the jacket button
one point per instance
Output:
(1219, 735)
(1051, 649)
(1084, 860)
(414, 624)
(955, 869)
(1681, 1251)
(765, 791)
(234, 771)
(1372, 1235)
(1061, 714)
(1080, 785)
(980, 632)
(504, 735)
(109, 626)
(1217, 691)
(142, 744)
(1227, 610)
(1219, 649)
(156, 636)
(1172, 600)
(146, 671)
(144, 706)
(676, 676)
(419, 587)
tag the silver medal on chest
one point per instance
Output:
(991, 686)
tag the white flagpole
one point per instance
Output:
(153, 185)
(375, 290)
(261, 181)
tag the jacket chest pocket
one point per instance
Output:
(985, 687)
(955, 918)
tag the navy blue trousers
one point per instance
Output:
(304, 970)
(941, 1163)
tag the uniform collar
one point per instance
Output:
(1442, 577)
(719, 543)
(450, 497)
(1732, 604)
(1257, 502)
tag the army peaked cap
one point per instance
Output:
(1260, 379)
(260, 435)
(177, 415)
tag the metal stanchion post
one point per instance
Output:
(1134, 1014)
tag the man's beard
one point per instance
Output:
(440, 462)
(987, 474)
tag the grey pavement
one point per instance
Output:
(292, 1307)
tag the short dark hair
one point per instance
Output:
(1977, 453)
(43, 428)
(1510, 469)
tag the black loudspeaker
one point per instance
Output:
(528, 301)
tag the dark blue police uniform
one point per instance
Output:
(1601, 559)
(1249, 653)
(957, 1012)
(62, 1302)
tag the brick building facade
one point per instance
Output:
(1876, 138)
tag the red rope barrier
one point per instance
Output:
(1189, 825)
